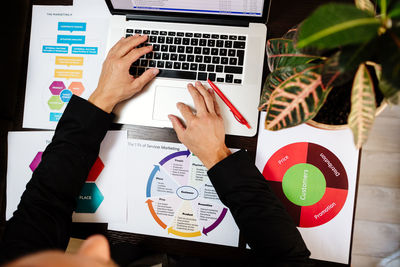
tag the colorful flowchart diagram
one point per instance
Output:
(69, 63)
(65, 58)
(181, 198)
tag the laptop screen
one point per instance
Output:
(253, 8)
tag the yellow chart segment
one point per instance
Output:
(183, 234)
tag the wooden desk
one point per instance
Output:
(283, 15)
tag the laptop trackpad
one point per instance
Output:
(165, 100)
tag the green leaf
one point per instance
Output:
(334, 25)
(366, 6)
(341, 66)
(274, 79)
(388, 56)
(383, 6)
(282, 53)
(265, 94)
(394, 12)
(297, 99)
(363, 106)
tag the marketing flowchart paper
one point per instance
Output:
(66, 53)
(103, 197)
(170, 195)
(314, 173)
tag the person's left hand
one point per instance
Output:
(115, 83)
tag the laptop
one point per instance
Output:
(223, 41)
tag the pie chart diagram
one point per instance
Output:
(310, 181)
(181, 198)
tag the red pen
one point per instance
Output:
(239, 117)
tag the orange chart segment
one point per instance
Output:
(325, 210)
(283, 159)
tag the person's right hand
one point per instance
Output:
(115, 83)
(204, 134)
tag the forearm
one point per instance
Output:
(261, 218)
(43, 218)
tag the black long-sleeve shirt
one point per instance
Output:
(44, 215)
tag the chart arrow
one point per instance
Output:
(174, 155)
(216, 223)
(183, 234)
(153, 173)
(153, 213)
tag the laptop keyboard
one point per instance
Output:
(192, 55)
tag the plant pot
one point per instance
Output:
(333, 116)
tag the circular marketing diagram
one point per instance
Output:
(310, 181)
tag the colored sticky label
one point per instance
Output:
(35, 162)
(76, 88)
(65, 95)
(55, 49)
(72, 26)
(55, 102)
(56, 87)
(89, 199)
(55, 116)
(70, 39)
(95, 171)
(76, 61)
(84, 50)
(76, 74)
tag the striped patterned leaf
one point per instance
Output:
(282, 53)
(297, 99)
(274, 79)
(363, 106)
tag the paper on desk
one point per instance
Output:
(91, 8)
(66, 53)
(170, 195)
(326, 224)
(103, 198)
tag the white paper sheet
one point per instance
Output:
(170, 195)
(65, 57)
(107, 192)
(328, 231)
(91, 8)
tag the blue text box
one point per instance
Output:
(70, 39)
(72, 26)
(81, 50)
(55, 116)
(54, 49)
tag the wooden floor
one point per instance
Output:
(377, 224)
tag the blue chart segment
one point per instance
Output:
(181, 198)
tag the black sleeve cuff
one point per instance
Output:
(226, 174)
(90, 121)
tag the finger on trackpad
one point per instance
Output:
(165, 100)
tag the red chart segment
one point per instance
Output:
(290, 168)
(283, 159)
(329, 164)
(324, 210)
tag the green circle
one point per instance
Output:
(304, 184)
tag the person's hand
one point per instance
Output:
(204, 133)
(115, 83)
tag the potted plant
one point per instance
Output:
(341, 56)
